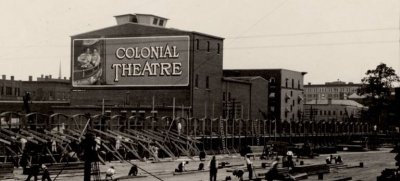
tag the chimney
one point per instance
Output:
(4, 77)
(12, 77)
(144, 19)
(46, 77)
(65, 78)
(50, 76)
(309, 83)
(30, 78)
(41, 76)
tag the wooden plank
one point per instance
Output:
(46, 136)
(19, 135)
(57, 136)
(34, 136)
(5, 141)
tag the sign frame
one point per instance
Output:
(186, 80)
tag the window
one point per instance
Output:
(286, 83)
(208, 46)
(207, 82)
(196, 81)
(229, 96)
(298, 84)
(155, 21)
(291, 93)
(292, 83)
(223, 96)
(161, 22)
(2, 91)
(334, 113)
(218, 48)
(293, 102)
(16, 92)
(8, 91)
(272, 80)
(197, 44)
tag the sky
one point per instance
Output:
(330, 40)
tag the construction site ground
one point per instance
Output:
(374, 163)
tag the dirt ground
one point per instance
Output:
(374, 163)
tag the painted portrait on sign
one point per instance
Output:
(88, 62)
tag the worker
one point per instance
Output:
(213, 166)
(339, 160)
(155, 151)
(45, 173)
(179, 128)
(23, 143)
(133, 171)
(53, 146)
(249, 165)
(272, 173)
(98, 142)
(238, 174)
(181, 166)
(110, 173)
(118, 142)
(328, 160)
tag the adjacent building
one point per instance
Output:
(10, 89)
(285, 91)
(333, 110)
(245, 98)
(45, 93)
(337, 90)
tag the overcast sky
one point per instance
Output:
(337, 39)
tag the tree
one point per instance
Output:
(377, 85)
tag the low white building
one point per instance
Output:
(333, 110)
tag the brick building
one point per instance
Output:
(45, 88)
(285, 93)
(196, 98)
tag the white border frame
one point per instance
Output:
(110, 86)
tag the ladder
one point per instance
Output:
(221, 127)
(95, 171)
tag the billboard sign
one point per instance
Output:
(131, 62)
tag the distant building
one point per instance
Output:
(45, 93)
(47, 88)
(10, 89)
(245, 98)
(333, 110)
(337, 90)
(285, 92)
